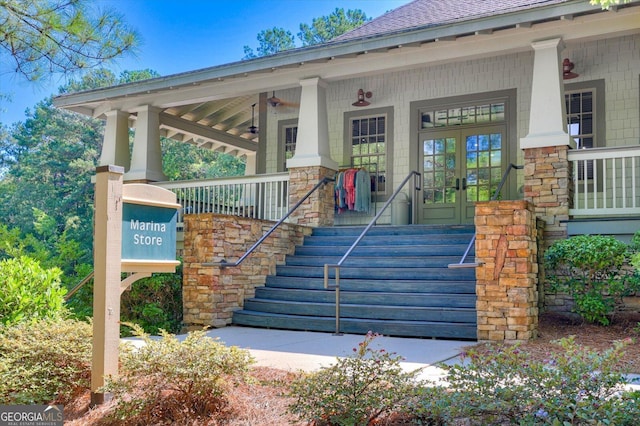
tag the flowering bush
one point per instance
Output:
(355, 390)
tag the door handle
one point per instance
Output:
(457, 184)
(464, 184)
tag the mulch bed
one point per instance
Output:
(262, 401)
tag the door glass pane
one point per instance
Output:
(439, 163)
(483, 163)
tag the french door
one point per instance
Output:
(459, 167)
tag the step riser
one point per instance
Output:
(400, 300)
(380, 240)
(395, 230)
(363, 311)
(380, 273)
(456, 250)
(416, 286)
(380, 262)
(401, 328)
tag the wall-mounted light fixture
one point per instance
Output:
(567, 67)
(361, 98)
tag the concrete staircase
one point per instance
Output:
(396, 282)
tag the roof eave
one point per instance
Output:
(298, 57)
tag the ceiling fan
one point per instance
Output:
(253, 129)
(274, 101)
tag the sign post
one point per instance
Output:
(135, 232)
(107, 243)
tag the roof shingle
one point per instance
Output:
(430, 13)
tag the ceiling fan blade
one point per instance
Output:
(289, 104)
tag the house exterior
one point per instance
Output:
(455, 91)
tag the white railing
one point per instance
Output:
(612, 184)
(259, 197)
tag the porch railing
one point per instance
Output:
(258, 197)
(606, 181)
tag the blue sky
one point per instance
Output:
(184, 35)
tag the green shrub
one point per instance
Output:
(154, 303)
(355, 390)
(591, 269)
(506, 385)
(29, 291)
(44, 361)
(168, 380)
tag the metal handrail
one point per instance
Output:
(495, 196)
(78, 286)
(224, 264)
(417, 187)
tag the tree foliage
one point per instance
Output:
(271, 41)
(43, 37)
(328, 27)
(606, 4)
(321, 30)
(29, 291)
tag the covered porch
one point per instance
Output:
(456, 103)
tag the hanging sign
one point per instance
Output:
(149, 216)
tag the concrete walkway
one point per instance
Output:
(308, 351)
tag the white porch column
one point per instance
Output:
(115, 146)
(547, 119)
(146, 158)
(312, 144)
(250, 164)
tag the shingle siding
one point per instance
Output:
(617, 60)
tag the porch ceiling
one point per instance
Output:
(220, 125)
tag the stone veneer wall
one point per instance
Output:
(507, 278)
(210, 293)
(547, 178)
(318, 209)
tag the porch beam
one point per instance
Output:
(206, 132)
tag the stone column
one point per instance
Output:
(318, 209)
(115, 145)
(506, 280)
(547, 185)
(312, 160)
(146, 158)
(547, 174)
